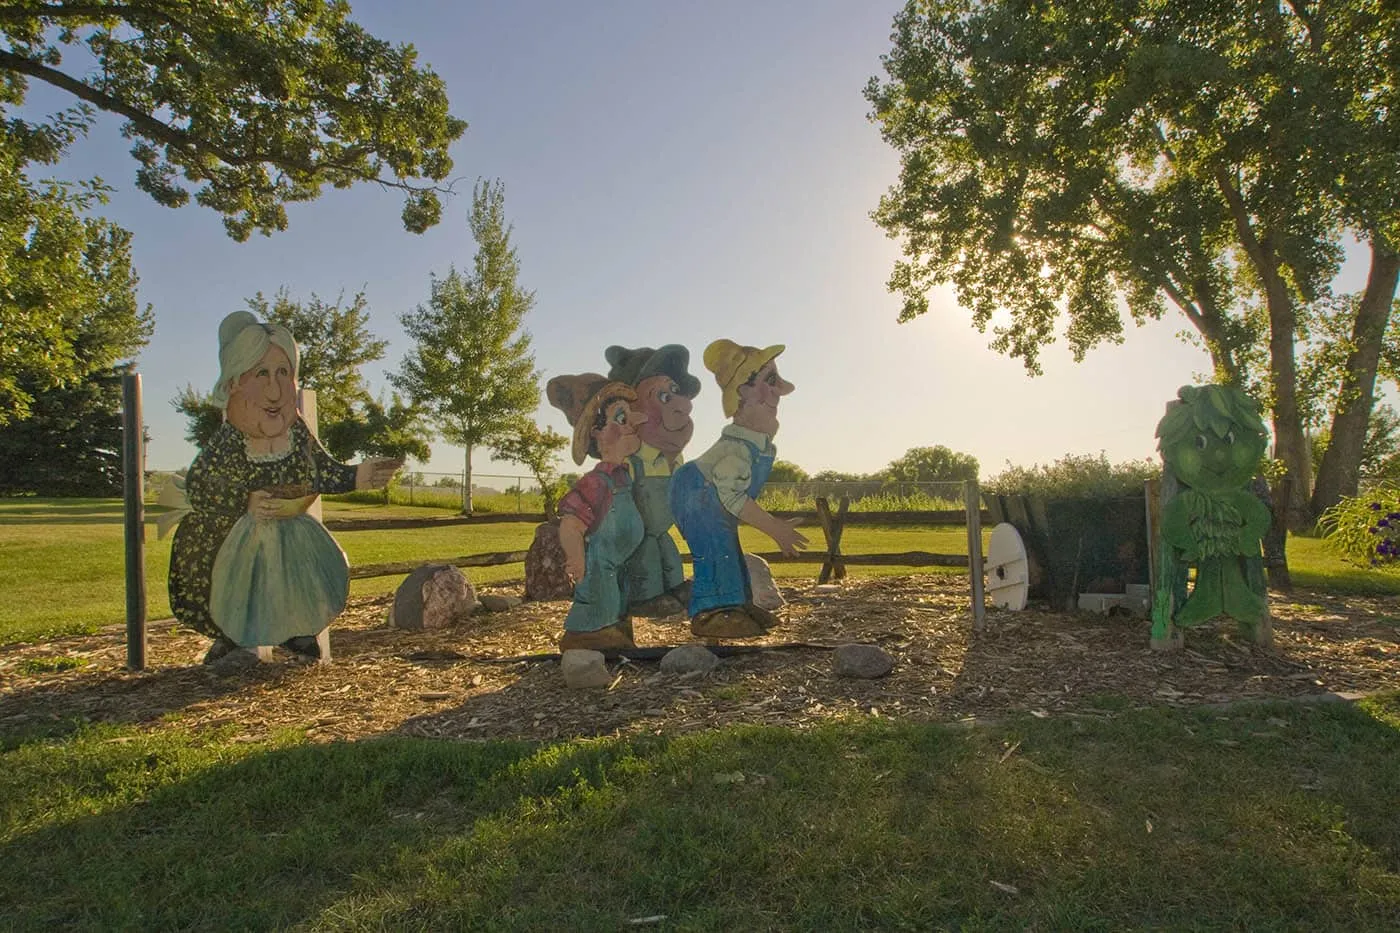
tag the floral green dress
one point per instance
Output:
(218, 484)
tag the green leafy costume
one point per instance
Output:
(1211, 441)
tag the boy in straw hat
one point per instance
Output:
(713, 493)
(599, 525)
(665, 387)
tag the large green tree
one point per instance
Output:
(247, 105)
(471, 366)
(1083, 161)
(374, 429)
(69, 442)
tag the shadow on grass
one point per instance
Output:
(67, 705)
(1281, 818)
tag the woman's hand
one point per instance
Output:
(262, 504)
(375, 474)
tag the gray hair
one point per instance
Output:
(243, 341)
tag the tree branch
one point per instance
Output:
(89, 11)
(153, 128)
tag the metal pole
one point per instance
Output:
(972, 500)
(133, 493)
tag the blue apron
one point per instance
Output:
(720, 578)
(600, 598)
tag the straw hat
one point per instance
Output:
(579, 398)
(734, 365)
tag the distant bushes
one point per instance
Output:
(1074, 476)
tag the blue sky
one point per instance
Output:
(675, 172)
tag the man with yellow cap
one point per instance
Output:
(713, 493)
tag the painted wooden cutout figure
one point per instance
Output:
(599, 524)
(248, 565)
(661, 377)
(1211, 440)
(713, 493)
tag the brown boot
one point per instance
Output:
(731, 622)
(763, 617)
(607, 638)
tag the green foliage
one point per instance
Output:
(68, 304)
(373, 429)
(785, 471)
(932, 465)
(536, 450)
(1365, 529)
(244, 105)
(69, 321)
(1075, 476)
(1070, 162)
(471, 368)
(334, 343)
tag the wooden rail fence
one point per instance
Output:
(832, 559)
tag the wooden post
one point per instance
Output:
(133, 494)
(306, 403)
(972, 501)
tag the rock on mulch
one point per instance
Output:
(448, 683)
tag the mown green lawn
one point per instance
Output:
(1279, 817)
(62, 561)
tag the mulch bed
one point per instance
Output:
(445, 684)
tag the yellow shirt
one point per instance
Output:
(654, 463)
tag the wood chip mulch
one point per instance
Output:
(445, 684)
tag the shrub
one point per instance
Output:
(1076, 477)
(1365, 529)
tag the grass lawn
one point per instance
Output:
(1277, 817)
(61, 560)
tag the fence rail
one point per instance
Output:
(833, 561)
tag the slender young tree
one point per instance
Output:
(471, 367)
(536, 450)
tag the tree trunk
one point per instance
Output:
(1339, 473)
(467, 483)
(1290, 443)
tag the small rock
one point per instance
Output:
(545, 576)
(584, 668)
(764, 590)
(433, 597)
(689, 659)
(240, 659)
(865, 661)
(493, 602)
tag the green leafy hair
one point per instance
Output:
(1215, 408)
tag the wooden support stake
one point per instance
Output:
(972, 500)
(833, 565)
(133, 495)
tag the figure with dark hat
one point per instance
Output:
(712, 494)
(599, 525)
(665, 388)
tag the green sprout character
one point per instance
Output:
(1211, 441)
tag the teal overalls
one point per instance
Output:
(655, 567)
(600, 598)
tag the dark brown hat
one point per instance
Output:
(632, 366)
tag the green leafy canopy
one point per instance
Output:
(244, 105)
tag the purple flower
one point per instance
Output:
(1376, 506)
